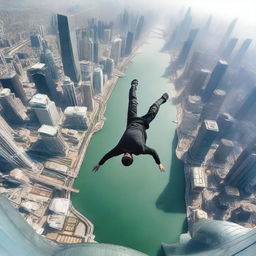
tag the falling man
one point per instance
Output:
(133, 141)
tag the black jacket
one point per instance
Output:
(133, 141)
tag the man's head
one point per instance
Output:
(127, 159)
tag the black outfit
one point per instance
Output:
(134, 138)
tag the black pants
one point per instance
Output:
(132, 107)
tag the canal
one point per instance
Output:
(138, 206)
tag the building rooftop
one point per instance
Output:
(77, 111)
(38, 66)
(60, 205)
(48, 130)
(5, 92)
(39, 100)
(211, 125)
(56, 221)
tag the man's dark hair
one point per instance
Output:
(126, 160)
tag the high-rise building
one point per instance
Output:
(198, 82)
(89, 50)
(215, 79)
(97, 81)
(243, 171)
(96, 52)
(106, 35)
(47, 58)
(53, 140)
(12, 108)
(123, 46)
(45, 110)
(87, 92)
(86, 70)
(6, 127)
(76, 118)
(213, 106)
(69, 92)
(227, 34)
(40, 75)
(129, 43)
(109, 67)
(139, 27)
(186, 47)
(241, 53)
(223, 151)
(116, 50)
(202, 143)
(225, 123)
(226, 54)
(36, 41)
(68, 45)
(13, 154)
(12, 82)
(193, 65)
(247, 106)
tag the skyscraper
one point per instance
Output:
(45, 110)
(215, 79)
(76, 118)
(89, 50)
(192, 65)
(36, 41)
(202, 143)
(69, 92)
(225, 123)
(106, 35)
(223, 151)
(86, 91)
(40, 75)
(96, 52)
(5, 127)
(241, 53)
(12, 82)
(116, 50)
(186, 47)
(198, 82)
(97, 81)
(226, 54)
(109, 67)
(53, 140)
(12, 108)
(68, 45)
(13, 154)
(129, 43)
(139, 27)
(86, 70)
(47, 58)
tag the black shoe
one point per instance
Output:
(135, 82)
(165, 97)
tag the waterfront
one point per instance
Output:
(138, 207)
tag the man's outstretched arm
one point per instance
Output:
(114, 152)
(154, 154)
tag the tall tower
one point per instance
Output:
(116, 50)
(97, 81)
(139, 27)
(215, 79)
(202, 143)
(68, 45)
(76, 118)
(69, 92)
(86, 91)
(40, 75)
(89, 50)
(53, 140)
(12, 82)
(12, 153)
(96, 52)
(45, 110)
(229, 48)
(86, 70)
(47, 58)
(109, 67)
(13, 109)
(129, 43)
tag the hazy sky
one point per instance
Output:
(244, 9)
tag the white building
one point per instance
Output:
(45, 110)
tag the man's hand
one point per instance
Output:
(96, 168)
(161, 168)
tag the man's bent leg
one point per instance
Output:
(132, 106)
(154, 108)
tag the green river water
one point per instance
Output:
(137, 206)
